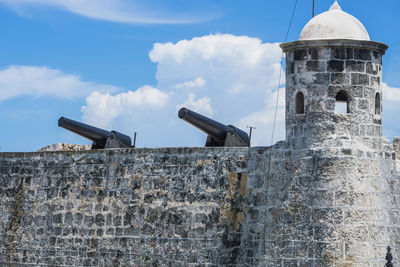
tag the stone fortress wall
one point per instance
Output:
(134, 207)
(199, 207)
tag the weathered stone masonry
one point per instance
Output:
(199, 206)
(126, 207)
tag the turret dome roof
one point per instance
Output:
(334, 24)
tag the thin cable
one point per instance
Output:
(265, 186)
(291, 20)
(280, 73)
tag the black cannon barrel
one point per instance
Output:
(207, 125)
(97, 135)
(101, 138)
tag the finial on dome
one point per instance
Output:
(335, 6)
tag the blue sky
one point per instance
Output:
(129, 65)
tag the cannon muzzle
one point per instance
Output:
(100, 138)
(218, 133)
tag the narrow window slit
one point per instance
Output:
(377, 104)
(299, 103)
(342, 102)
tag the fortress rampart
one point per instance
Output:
(199, 207)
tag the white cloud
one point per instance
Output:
(201, 105)
(102, 109)
(230, 64)
(391, 100)
(241, 73)
(198, 82)
(16, 81)
(390, 94)
(122, 11)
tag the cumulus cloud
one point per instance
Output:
(201, 105)
(241, 75)
(16, 81)
(198, 82)
(122, 11)
(391, 100)
(102, 109)
(390, 94)
(231, 64)
(231, 79)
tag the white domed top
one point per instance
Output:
(334, 24)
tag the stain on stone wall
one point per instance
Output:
(14, 222)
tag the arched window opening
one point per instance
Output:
(342, 103)
(378, 103)
(299, 103)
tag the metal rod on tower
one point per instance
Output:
(251, 130)
(313, 7)
(134, 140)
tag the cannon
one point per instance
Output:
(100, 138)
(218, 133)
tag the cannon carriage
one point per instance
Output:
(218, 134)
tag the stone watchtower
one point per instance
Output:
(340, 176)
(333, 90)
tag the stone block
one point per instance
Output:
(362, 54)
(300, 142)
(300, 67)
(316, 66)
(314, 53)
(363, 104)
(349, 53)
(99, 220)
(338, 53)
(335, 66)
(340, 78)
(358, 91)
(370, 130)
(321, 78)
(300, 54)
(359, 79)
(372, 68)
(355, 66)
